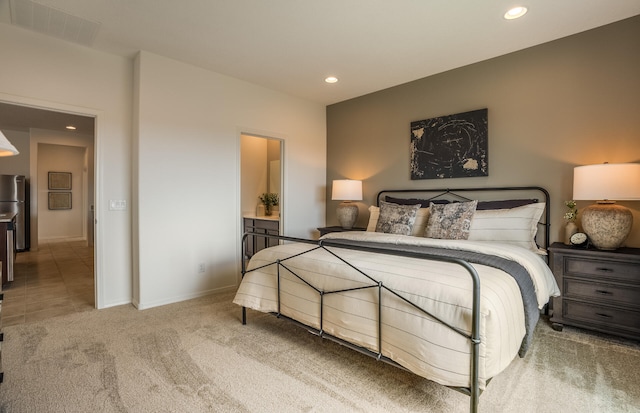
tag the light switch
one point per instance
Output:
(117, 205)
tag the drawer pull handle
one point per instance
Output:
(603, 292)
(604, 269)
(603, 315)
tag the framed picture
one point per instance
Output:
(453, 146)
(60, 180)
(59, 200)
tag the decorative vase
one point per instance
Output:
(268, 210)
(347, 214)
(607, 224)
(569, 230)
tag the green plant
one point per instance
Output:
(269, 199)
(572, 214)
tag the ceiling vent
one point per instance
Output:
(53, 22)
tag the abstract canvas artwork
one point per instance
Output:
(453, 146)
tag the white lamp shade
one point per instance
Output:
(6, 148)
(346, 190)
(608, 181)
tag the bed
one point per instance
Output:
(441, 284)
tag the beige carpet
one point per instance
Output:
(196, 356)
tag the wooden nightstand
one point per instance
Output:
(337, 228)
(600, 289)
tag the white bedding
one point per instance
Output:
(409, 337)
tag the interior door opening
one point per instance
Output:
(261, 182)
(62, 221)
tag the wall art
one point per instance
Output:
(60, 180)
(453, 146)
(59, 200)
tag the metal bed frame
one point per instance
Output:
(473, 391)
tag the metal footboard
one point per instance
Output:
(474, 338)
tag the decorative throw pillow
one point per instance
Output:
(450, 221)
(419, 226)
(374, 214)
(517, 226)
(396, 219)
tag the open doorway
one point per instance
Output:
(261, 175)
(62, 247)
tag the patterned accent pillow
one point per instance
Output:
(396, 219)
(420, 224)
(450, 221)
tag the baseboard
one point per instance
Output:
(185, 297)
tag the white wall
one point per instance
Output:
(49, 73)
(181, 176)
(60, 142)
(253, 172)
(61, 223)
(188, 141)
(26, 163)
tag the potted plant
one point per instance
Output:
(571, 215)
(269, 199)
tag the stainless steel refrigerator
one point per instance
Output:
(14, 198)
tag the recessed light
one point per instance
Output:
(515, 12)
(71, 127)
(331, 79)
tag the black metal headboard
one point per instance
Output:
(459, 195)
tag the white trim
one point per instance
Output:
(282, 207)
(97, 114)
(183, 297)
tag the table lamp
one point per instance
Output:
(607, 224)
(347, 190)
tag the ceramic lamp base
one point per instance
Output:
(607, 225)
(347, 214)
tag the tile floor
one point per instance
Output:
(53, 281)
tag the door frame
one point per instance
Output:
(98, 262)
(283, 165)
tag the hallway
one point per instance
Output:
(55, 280)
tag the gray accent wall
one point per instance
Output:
(552, 107)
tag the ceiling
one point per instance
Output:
(23, 118)
(292, 45)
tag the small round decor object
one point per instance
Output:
(579, 238)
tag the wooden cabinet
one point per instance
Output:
(600, 289)
(255, 243)
(7, 245)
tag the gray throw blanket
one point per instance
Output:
(517, 271)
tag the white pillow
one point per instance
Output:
(422, 216)
(517, 226)
(374, 214)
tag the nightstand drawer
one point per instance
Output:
(601, 315)
(602, 268)
(612, 294)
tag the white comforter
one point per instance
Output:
(409, 337)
